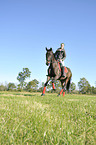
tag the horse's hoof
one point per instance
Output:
(42, 94)
(58, 95)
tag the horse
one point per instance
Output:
(54, 73)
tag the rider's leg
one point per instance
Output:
(63, 73)
(62, 68)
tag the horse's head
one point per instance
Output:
(49, 55)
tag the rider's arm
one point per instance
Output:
(64, 55)
(56, 54)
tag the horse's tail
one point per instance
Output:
(68, 84)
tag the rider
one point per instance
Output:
(60, 56)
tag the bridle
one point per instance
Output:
(50, 61)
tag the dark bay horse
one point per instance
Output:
(54, 73)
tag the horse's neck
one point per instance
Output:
(54, 65)
(53, 59)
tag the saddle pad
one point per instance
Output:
(65, 69)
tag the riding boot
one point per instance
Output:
(63, 73)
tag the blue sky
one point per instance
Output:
(28, 26)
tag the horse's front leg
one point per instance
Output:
(63, 89)
(44, 89)
(53, 80)
(53, 86)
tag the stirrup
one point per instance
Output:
(63, 75)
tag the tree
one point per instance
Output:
(22, 76)
(41, 87)
(32, 85)
(3, 88)
(83, 85)
(89, 89)
(73, 87)
(93, 90)
(11, 86)
(57, 84)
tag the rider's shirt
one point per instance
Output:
(60, 54)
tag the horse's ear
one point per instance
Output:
(50, 49)
(46, 48)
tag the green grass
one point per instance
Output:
(28, 118)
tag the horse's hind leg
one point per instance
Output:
(64, 89)
(44, 89)
(53, 86)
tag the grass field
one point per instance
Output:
(28, 118)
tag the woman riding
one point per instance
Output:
(60, 56)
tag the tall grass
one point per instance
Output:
(32, 119)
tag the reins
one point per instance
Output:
(55, 60)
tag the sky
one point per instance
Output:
(28, 26)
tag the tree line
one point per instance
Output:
(35, 86)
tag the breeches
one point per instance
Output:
(62, 63)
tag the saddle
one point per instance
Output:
(51, 71)
(60, 68)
